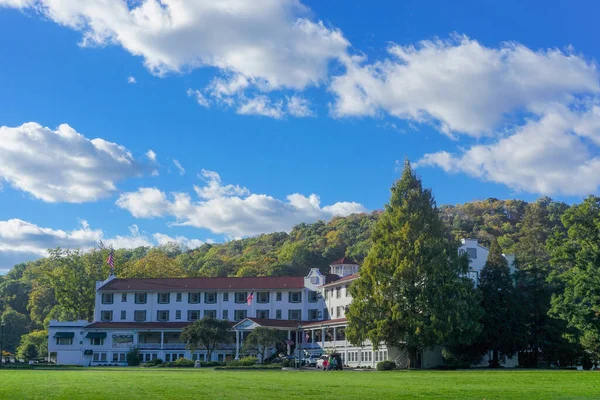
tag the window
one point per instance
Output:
(106, 316)
(193, 298)
(210, 313)
(124, 298)
(168, 357)
(178, 314)
(295, 315)
(472, 253)
(97, 341)
(262, 314)
(240, 297)
(178, 298)
(123, 314)
(262, 297)
(140, 298)
(239, 315)
(193, 315)
(313, 314)
(162, 315)
(139, 315)
(278, 296)
(99, 357)
(226, 296)
(277, 314)
(210, 298)
(332, 314)
(118, 357)
(225, 314)
(295, 297)
(107, 298)
(314, 280)
(338, 292)
(338, 311)
(163, 298)
(313, 296)
(347, 289)
(64, 341)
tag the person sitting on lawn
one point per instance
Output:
(333, 363)
(325, 364)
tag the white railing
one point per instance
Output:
(176, 346)
(149, 346)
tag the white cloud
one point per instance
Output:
(200, 98)
(131, 80)
(17, 3)
(299, 107)
(271, 43)
(261, 105)
(22, 241)
(558, 153)
(62, 165)
(231, 209)
(151, 155)
(460, 85)
(179, 167)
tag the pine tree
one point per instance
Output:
(412, 292)
(502, 323)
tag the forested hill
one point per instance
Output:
(62, 285)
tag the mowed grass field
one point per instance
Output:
(139, 383)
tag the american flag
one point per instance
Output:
(306, 337)
(250, 297)
(111, 261)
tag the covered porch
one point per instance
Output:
(160, 340)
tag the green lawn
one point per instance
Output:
(139, 383)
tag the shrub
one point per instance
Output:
(288, 364)
(133, 358)
(211, 364)
(386, 366)
(183, 363)
(153, 363)
(243, 362)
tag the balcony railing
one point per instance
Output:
(176, 346)
(149, 346)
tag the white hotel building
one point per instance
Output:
(150, 313)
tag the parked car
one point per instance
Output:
(320, 361)
(311, 360)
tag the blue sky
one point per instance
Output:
(265, 104)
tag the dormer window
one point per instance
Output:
(472, 253)
(314, 280)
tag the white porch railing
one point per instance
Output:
(149, 346)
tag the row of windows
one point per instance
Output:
(193, 315)
(337, 292)
(211, 297)
(116, 357)
(339, 311)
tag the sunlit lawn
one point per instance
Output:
(139, 383)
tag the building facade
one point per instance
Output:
(149, 314)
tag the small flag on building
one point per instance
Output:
(250, 297)
(306, 337)
(111, 261)
(289, 342)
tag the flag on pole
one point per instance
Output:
(250, 297)
(111, 261)
(306, 337)
(289, 342)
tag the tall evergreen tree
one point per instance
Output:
(412, 292)
(502, 324)
(544, 334)
(577, 259)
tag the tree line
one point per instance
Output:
(555, 318)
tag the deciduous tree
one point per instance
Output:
(261, 339)
(206, 333)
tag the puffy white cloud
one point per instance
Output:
(151, 155)
(261, 105)
(557, 153)
(460, 85)
(231, 209)
(17, 3)
(22, 241)
(62, 165)
(179, 167)
(270, 43)
(299, 106)
(131, 80)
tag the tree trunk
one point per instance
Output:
(495, 362)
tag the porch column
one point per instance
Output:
(237, 344)
(323, 337)
(162, 339)
(334, 336)
(312, 337)
(289, 349)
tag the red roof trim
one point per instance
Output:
(344, 279)
(137, 325)
(344, 260)
(187, 284)
(324, 322)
